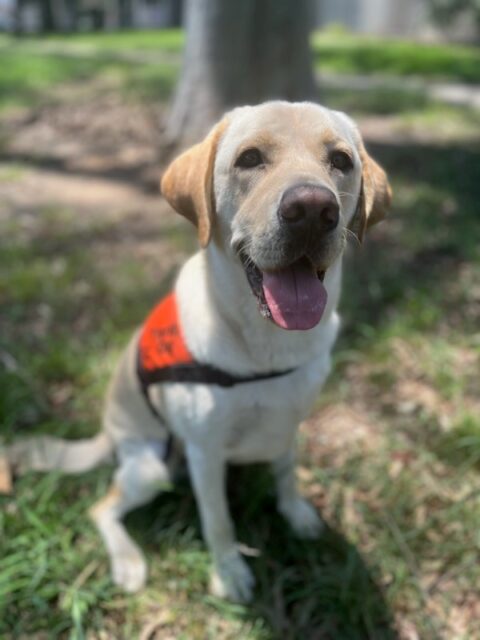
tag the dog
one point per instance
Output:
(228, 365)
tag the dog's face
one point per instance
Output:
(278, 185)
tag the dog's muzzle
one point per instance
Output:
(292, 295)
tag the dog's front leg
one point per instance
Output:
(299, 513)
(231, 577)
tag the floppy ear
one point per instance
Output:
(375, 196)
(187, 183)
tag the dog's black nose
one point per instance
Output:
(308, 204)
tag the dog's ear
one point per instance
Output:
(187, 184)
(375, 196)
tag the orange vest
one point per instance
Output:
(161, 343)
(163, 355)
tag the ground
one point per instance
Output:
(391, 455)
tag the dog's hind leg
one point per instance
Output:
(298, 512)
(141, 475)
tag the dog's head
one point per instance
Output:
(279, 185)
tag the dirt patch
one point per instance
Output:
(340, 430)
(89, 168)
(87, 132)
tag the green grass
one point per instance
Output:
(171, 40)
(34, 69)
(334, 50)
(28, 78)
(25, 76)
(401, 501)
(344, 53)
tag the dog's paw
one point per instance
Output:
(232, 578)
(129, 570)
(303, 518)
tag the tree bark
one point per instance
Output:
(62, 15)
(19, 17)
(48, 23)
(125, 11)
(239, 52)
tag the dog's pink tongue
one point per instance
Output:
(295, 296)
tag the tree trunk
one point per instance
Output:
(62, 16)
(18, 17)
(48, 24)
(239, 52)
(112, 15)
(125, 11)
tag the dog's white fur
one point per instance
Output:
(249, 422)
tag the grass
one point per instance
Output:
(33, 73)
(144, 65)
(29, 78)
(31, 66)
(171, 40)
(335, 50)
(391, 458)
(344, 53)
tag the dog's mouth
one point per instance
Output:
(293, 297)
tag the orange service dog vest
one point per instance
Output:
(163, 355)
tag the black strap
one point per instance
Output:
(195, 373)
(201, 374)
(156, 414)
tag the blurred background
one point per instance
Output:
(95, 98)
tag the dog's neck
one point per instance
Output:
(224, 327)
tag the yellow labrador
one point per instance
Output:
(272, 190)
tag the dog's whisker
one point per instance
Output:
(347, 194)
(348, 234)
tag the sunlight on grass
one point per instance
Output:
(27, 78)
(164, 40)
(344, 53)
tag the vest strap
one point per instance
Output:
(163, 356)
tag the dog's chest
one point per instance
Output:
(260, 433)
(263, 420)
(253, 422)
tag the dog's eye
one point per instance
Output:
(249, 158)
(341, 161)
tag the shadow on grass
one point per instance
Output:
(411, 265)
(304, 589)
(140, 176)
